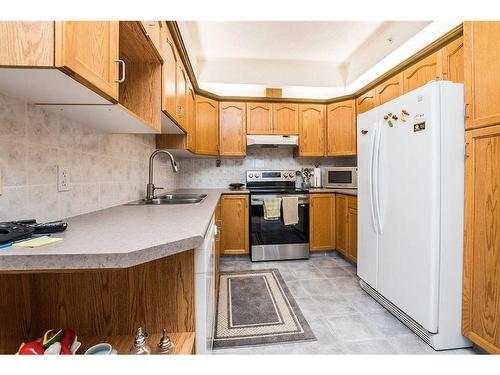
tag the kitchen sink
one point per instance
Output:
(171, 199)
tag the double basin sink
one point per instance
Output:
(171, 199)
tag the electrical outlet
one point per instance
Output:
(62, 178)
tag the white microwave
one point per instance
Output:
(340, 177)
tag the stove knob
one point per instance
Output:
(250, 175)
(257, 175)
(285, 175)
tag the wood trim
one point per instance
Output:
(453, 34)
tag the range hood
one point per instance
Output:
(273, 140)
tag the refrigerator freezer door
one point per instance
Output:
(367, 227)
(408, 178)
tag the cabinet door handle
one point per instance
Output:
(466, 107)
(466, 150)
(121, 63)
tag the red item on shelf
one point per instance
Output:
(65, 350)
(68, 337)
(31, 348)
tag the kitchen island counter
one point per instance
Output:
(121, 236)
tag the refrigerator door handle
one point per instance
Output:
(376, 178)
(372, 178)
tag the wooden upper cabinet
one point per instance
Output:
(27, 43)
(207, 126)
(232, 127)
(452, 56)
(390, 89)
(366, 101)
(286, 118)
(259, 118)
(322, 222)
(482, 73)
(169, 78)
(89, 50)
(420, 73)
(311, 130)
(180, 96)
(481, 292)
(341, 128)
(234, 237)
(154, 30)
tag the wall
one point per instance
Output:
(202, 173)
(105, 169)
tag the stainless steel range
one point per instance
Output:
(272, 239)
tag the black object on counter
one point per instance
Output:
(11, 231)
(14, 231)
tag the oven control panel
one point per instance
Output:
(267, 175)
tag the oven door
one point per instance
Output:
(272, 239)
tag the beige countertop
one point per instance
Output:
(121, 236)
(334, 190)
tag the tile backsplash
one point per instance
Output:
(105, 169)
(199, 173)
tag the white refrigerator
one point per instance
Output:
(410, 209)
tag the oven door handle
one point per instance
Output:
(260, 202)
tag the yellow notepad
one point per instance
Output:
(37, 242)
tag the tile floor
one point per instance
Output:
(343, 317)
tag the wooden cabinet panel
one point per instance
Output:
(89, 50)
(232, 125)
(366, 101)
(352, 234)
(341, 128)
(482, 73)
(234, 224)
(390, 89)
(259, 118)
(154, 32)
(27, 43)
(420, 73)
(481, 293)
(180, 96)
(312, 130)
(285, 118)
(169, 77)
(346, 224)
(218, 223)
(191, 120)
(341, 230)
(207, 126)
(322, 222)
(453, 61)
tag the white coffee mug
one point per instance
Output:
(101, 349)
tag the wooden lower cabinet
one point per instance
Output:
(346, 224)
(234, 229)
(322, 222)
(481, 292)
(218, 224)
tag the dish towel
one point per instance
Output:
(272, 208)
(290, 210)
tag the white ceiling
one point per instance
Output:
(310, 59)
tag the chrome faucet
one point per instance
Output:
(150, 187)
